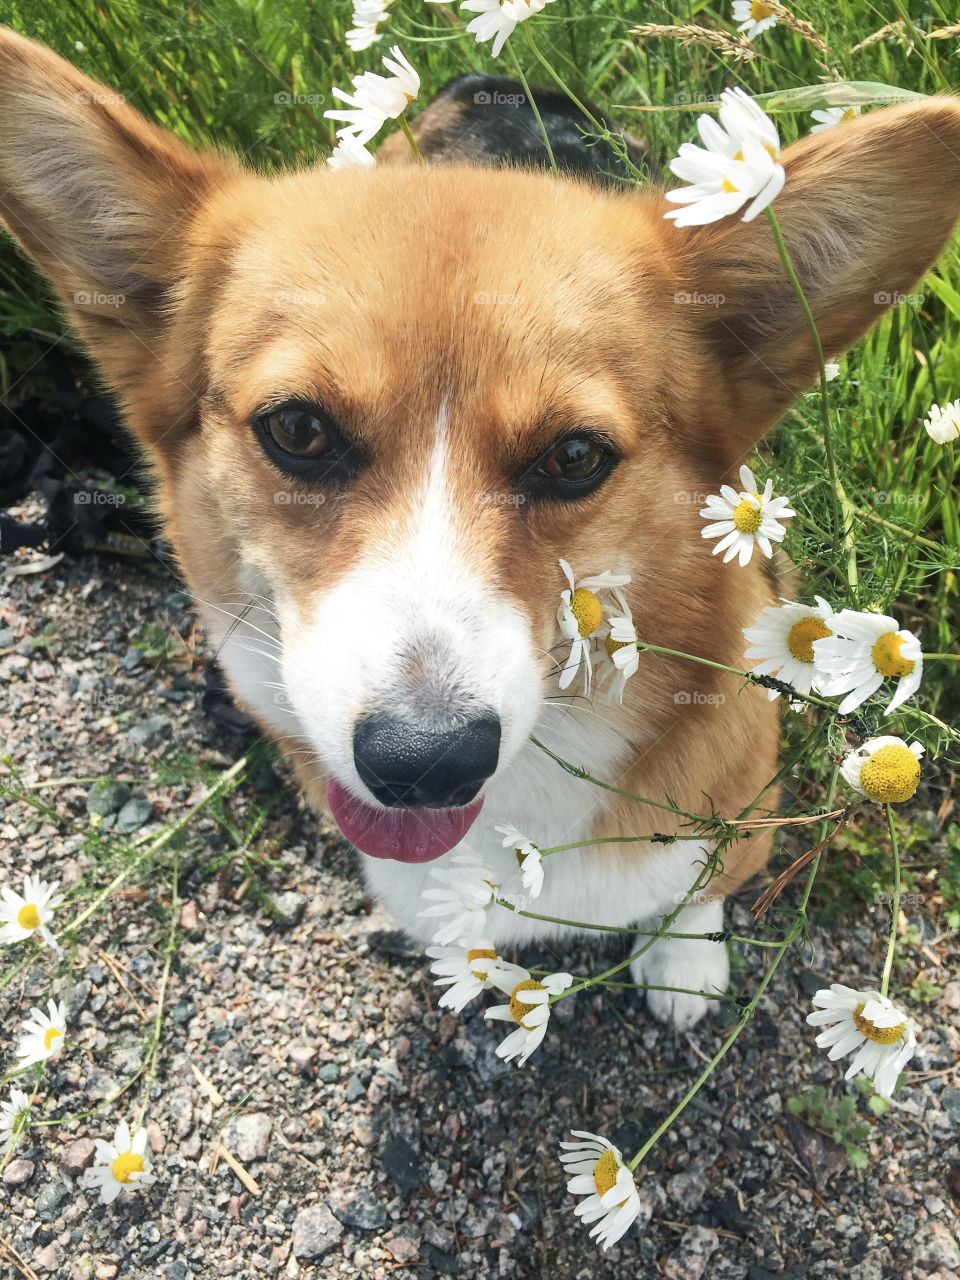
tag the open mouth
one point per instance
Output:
(407, 835)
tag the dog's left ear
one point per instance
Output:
(867, 207)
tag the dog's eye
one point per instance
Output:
(303, 440)
(298, 431)
(570, 468)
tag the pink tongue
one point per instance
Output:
(408, 835)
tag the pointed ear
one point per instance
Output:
(99, 199)
(866, 208)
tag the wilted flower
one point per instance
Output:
(868, 1025)
(600, 1174)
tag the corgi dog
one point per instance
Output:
(381, 405)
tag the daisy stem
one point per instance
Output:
(642, 933)
(536, 110)
(412, 140)
(225, 780)
(836, 491)
(614, 140)
(894, 904)
(794, 932)
(735, 671)
(150, 1067)
(577, 772)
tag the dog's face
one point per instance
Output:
(402, 433)
(381, 406)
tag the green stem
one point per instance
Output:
(894, 904)
(642, 933)
(794, 932)
(536, 110)
(150, 1063)
(160, 842)
(412, 140)
(835, 486)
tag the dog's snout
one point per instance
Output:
(409, 766)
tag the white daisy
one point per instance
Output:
(621, 648)
(497, 20)
(942, 423)
(468, 893)
(12, 1113)
(579, 617)
(754, 17)
(529, 1008)
(123, 1165)
(742, 520)
(42, 1034)
(349, 154)
(864, 650)
(600, 1174)
(22, 916)
(868, 1025)
(831, 369)
(528, 856)
(463, 971)
(885, 769)
(781, 643)
(831, 116)
(740, 161)
(376, 99)
(368, 17)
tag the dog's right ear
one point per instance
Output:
(99, 198)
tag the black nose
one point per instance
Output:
(410, 767)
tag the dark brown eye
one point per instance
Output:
(571, 468)
(302, 440)
(576, 459)
(298, 432)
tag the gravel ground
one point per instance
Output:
(383, 1137)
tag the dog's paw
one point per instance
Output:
(692, 966)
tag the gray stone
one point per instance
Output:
(135, 814)
(688, 1188)
(950, 1101)
(106, 797)
(289, 908)
(689, 1260)
(355, 1088)
(18, 1172)
(328, 1072)
(302, 1055)
(935, 1245)
(248, 1136)
(175, 1271)
(77, 1156)
(402, 1164)
(50, 1199)
(315, 1232)
(360, 1209)
(7, 638)
(150, 732)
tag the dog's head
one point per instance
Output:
(382, 405)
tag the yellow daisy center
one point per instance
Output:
(518, 1009)
(891, 775)
(849, 114)
(125, 1165)
(612, 646)
(51, 1034)
(759, 11)
(802, 635)
(728, 185)
(879, 1035)
(587, 610)
(28, 917)
(746, 517)
(480, 953)
(886, 656)
(605, 1172)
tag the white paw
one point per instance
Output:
(691, 966)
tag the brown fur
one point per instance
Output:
(364, 289)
